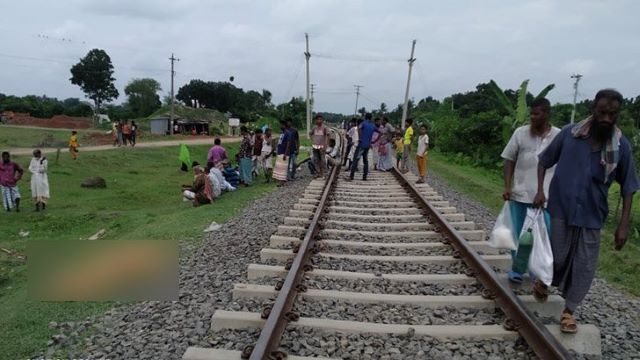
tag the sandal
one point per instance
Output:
(515, 277)
(568, 324)
(540, 291)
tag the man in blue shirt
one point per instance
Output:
(589, 155)
(365, 134)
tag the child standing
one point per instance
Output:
(398, 146)
(421, 154)
(73, 145)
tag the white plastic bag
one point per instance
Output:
(502, 234)
(541, 259)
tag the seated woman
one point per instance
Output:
(231, 174)
(201, 192)
(332, 156)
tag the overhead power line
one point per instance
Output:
(357, 58)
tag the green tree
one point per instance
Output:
(517, 114)
(94, 75)
(143, 96)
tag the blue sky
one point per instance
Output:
(261, 44)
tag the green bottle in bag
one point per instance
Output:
(521, 262)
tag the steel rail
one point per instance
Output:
(266, 347)
(541, 341)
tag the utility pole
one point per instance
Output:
(307, 55)
(355, 112)
(173, 74)
(406, 93)
(313, 99)
(575, 95)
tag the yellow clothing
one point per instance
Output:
(408, 135)
(73, 141)
(399, 146)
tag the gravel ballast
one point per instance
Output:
(164, 330)
(383, 286)
(396, 313)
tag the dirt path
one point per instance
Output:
(150, 144)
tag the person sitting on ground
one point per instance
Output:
(217, 153)
(224, 184)
(230, 174)
(39, 180)
(201, 191)
(10, 174)
(216, 186)
(332, 155)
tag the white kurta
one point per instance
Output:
(39, 178)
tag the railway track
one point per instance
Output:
(385, 260)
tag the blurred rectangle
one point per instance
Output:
(103, 270)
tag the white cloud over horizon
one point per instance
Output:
(261, 44)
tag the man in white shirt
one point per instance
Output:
(520, 168)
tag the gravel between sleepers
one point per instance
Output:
(310, 342)
(164, 330)
(396, 313)
(383, 286)
(387, 251)
(388, 267)
(616, 314)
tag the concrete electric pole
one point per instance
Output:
(307, 55)
(575, 95)
(313, 98)
(355, 112)
(173, 74)
(406, 93)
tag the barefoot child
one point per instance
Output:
(398, 146)
(421, 154)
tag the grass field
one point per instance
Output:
(621, 268)
(142, 201)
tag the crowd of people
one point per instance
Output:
(260, 154)
(569, 173)
(383, 140)
(124, 133)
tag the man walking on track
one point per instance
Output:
(285, 143)
(589, 155)
(365, 134)
(521, 166)
(294, 149)
(319, 138)
(10, 174)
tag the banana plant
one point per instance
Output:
(517, 115)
